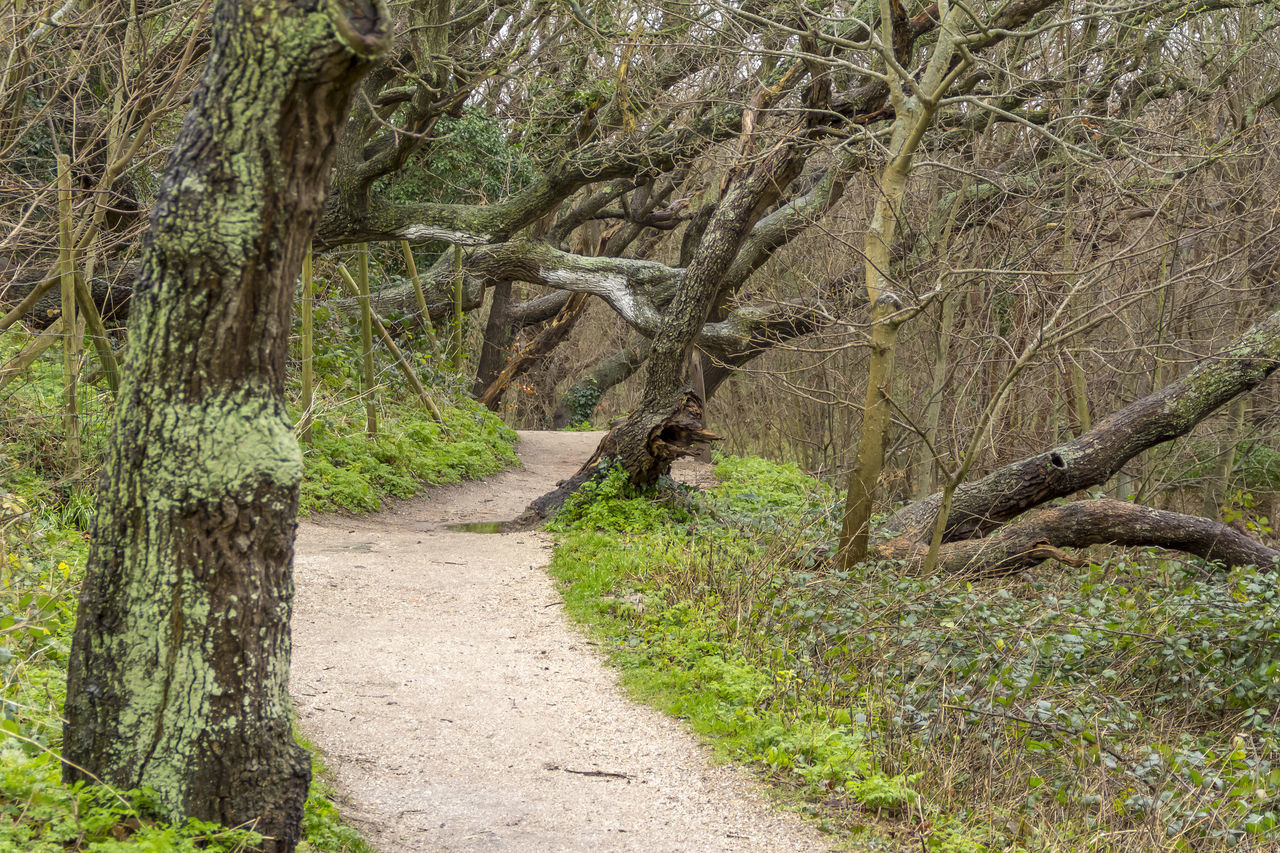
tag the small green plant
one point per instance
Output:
(581, 400)
(1242, 509)
(581, 426)
(879, 793)
(322, 826)
(39, 814)
(611, 502)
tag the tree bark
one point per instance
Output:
(976, 538)
(1092, 458)
(545, 341)
(668, 423)
(499, 331)
(1106, 521)
(664, 395)
(579, 401)
(178, 677)
(679, 431)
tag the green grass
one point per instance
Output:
(625, 561)
(39, 580)
(1129, 705)
(44, 515)
(322, 827)
(346, 470)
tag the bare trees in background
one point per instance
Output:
(1068, 204)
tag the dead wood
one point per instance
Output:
(645, 445)
(1042, 534)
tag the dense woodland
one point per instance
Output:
(958, 262)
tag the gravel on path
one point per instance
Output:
(461, 711)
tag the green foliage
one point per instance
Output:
(581, 400)
(348, 470)
(612, 503)
(32, 435)
(891, 794)
(1143, 692)
(41, 815)
(39, 583)
(749, 481)
(338, 348)
(769, 496)
(1131, 699)
(470, 162)
(1257, 467)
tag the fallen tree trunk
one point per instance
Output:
(1040, 536)
(977, 540)
(1092, 458)
(111, 295)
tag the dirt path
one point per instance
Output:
(461, 711)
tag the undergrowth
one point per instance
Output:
(348, 470)
(45, 513)
(1130, 705)
(41, 564)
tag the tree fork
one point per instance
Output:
(668, 423)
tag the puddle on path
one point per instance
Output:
(480, 526)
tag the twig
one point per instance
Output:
(599, 774)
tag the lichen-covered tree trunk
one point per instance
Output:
(180, 662)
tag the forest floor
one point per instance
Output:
(461, 711)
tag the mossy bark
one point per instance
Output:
(178, 677)
(1040, 535)
(1092, 459)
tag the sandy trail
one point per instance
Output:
(461, 711)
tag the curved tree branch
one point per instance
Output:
(1105, 521)
(1092, 458)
